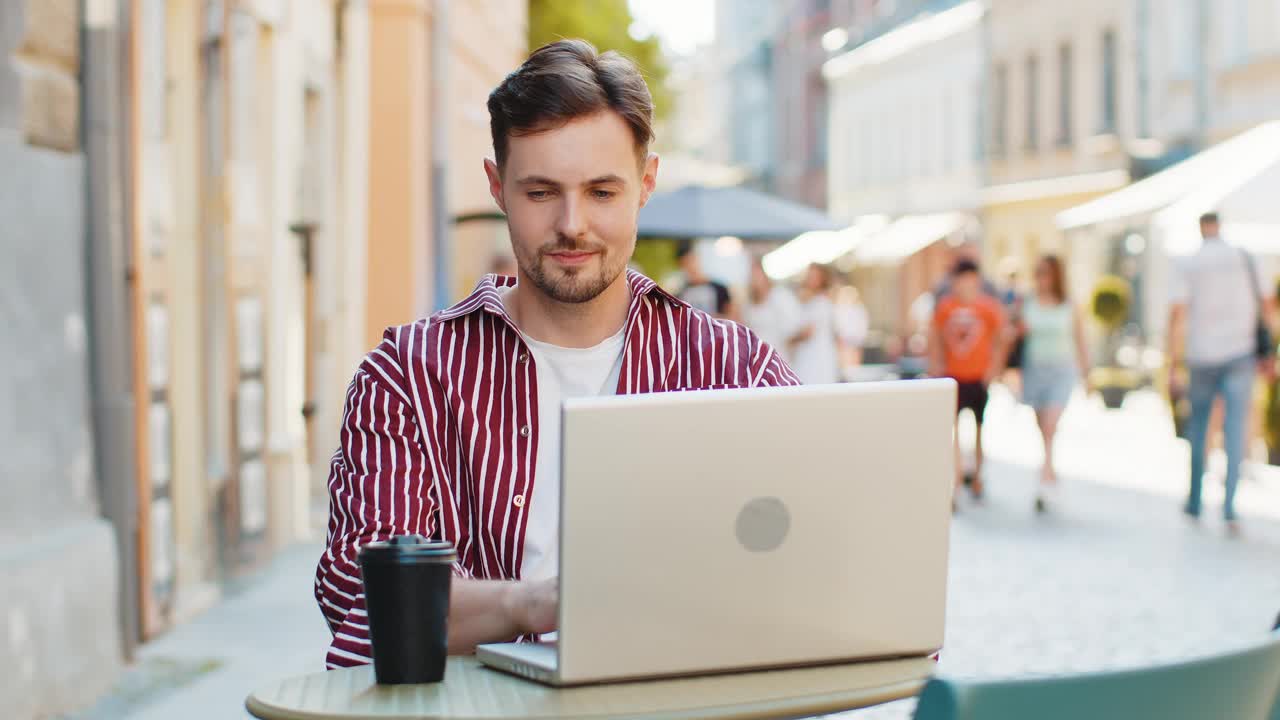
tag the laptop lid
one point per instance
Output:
(715, 531)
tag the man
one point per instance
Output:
(1216, 308)
(964, 252)
(967, 344)
(701, 291)
(451, 428)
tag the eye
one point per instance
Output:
(536, 195)
(603, 194)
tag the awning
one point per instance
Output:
(1194, 186)
(907, 236)
(926, 29)
(820, 247)
(697, 212)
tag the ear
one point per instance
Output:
(495, 183)
(650, 178)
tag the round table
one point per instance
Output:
(473, 692)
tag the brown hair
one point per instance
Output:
(565, 80)
(1057, 277)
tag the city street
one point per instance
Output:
(1113, 577)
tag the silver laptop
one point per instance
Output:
(722, 531)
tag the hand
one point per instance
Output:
(535, 606)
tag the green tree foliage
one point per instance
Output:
(605, 24)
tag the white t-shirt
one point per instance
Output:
(776, 319)
(852, 323)
(561, 373)
(817, 359)
(1222, 310)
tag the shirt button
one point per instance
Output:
(524, 357)
(524, 431)
(518, 501)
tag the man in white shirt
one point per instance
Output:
(1217, 304)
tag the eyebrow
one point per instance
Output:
(539, 180)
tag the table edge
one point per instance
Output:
(813, 706)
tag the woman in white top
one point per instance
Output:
(1054, 357)
(815, 354)
(772, 311)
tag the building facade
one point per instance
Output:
(217, 207)
(58, 555)
(1062, 93)
(905, 139)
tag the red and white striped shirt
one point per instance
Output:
(439, 435)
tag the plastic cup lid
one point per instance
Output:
(410, 547)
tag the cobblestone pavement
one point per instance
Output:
(1113, 577)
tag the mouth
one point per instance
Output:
(571, 257)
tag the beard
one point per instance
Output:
(573, 285)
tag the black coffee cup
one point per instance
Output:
(406, 588)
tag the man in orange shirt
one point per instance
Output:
(968, 344)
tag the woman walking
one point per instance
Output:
(1055, 355)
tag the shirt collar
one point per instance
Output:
(487, 298)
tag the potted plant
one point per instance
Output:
(1109, 307)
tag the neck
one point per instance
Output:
(570, 325)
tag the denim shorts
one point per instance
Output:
(1045, 387)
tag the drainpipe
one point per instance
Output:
(106, 140)
(442, 248)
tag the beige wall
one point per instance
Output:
(486, 41)
(475, 69)
(399, 191)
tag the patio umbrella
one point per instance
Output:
(695, 211)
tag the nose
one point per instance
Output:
(571, 223)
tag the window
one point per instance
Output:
(1064, 95)
(1108, 120)
(1000, 110)
(1033, 102)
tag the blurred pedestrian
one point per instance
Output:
(1054, 356)
(771, 311)
(967, 253)
(700, 291)
(852, 325)
(1221, 319)
(815, 354)
(967, 344)
(1012, 298)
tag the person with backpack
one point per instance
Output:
(1220, 329)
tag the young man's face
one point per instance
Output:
(572, 195)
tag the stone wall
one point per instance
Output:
(59, 632)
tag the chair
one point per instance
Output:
(1242, 685)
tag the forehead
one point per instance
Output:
(586, 147)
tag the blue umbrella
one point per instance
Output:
(695, 211)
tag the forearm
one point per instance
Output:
(483, 611)
(1173, 342)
